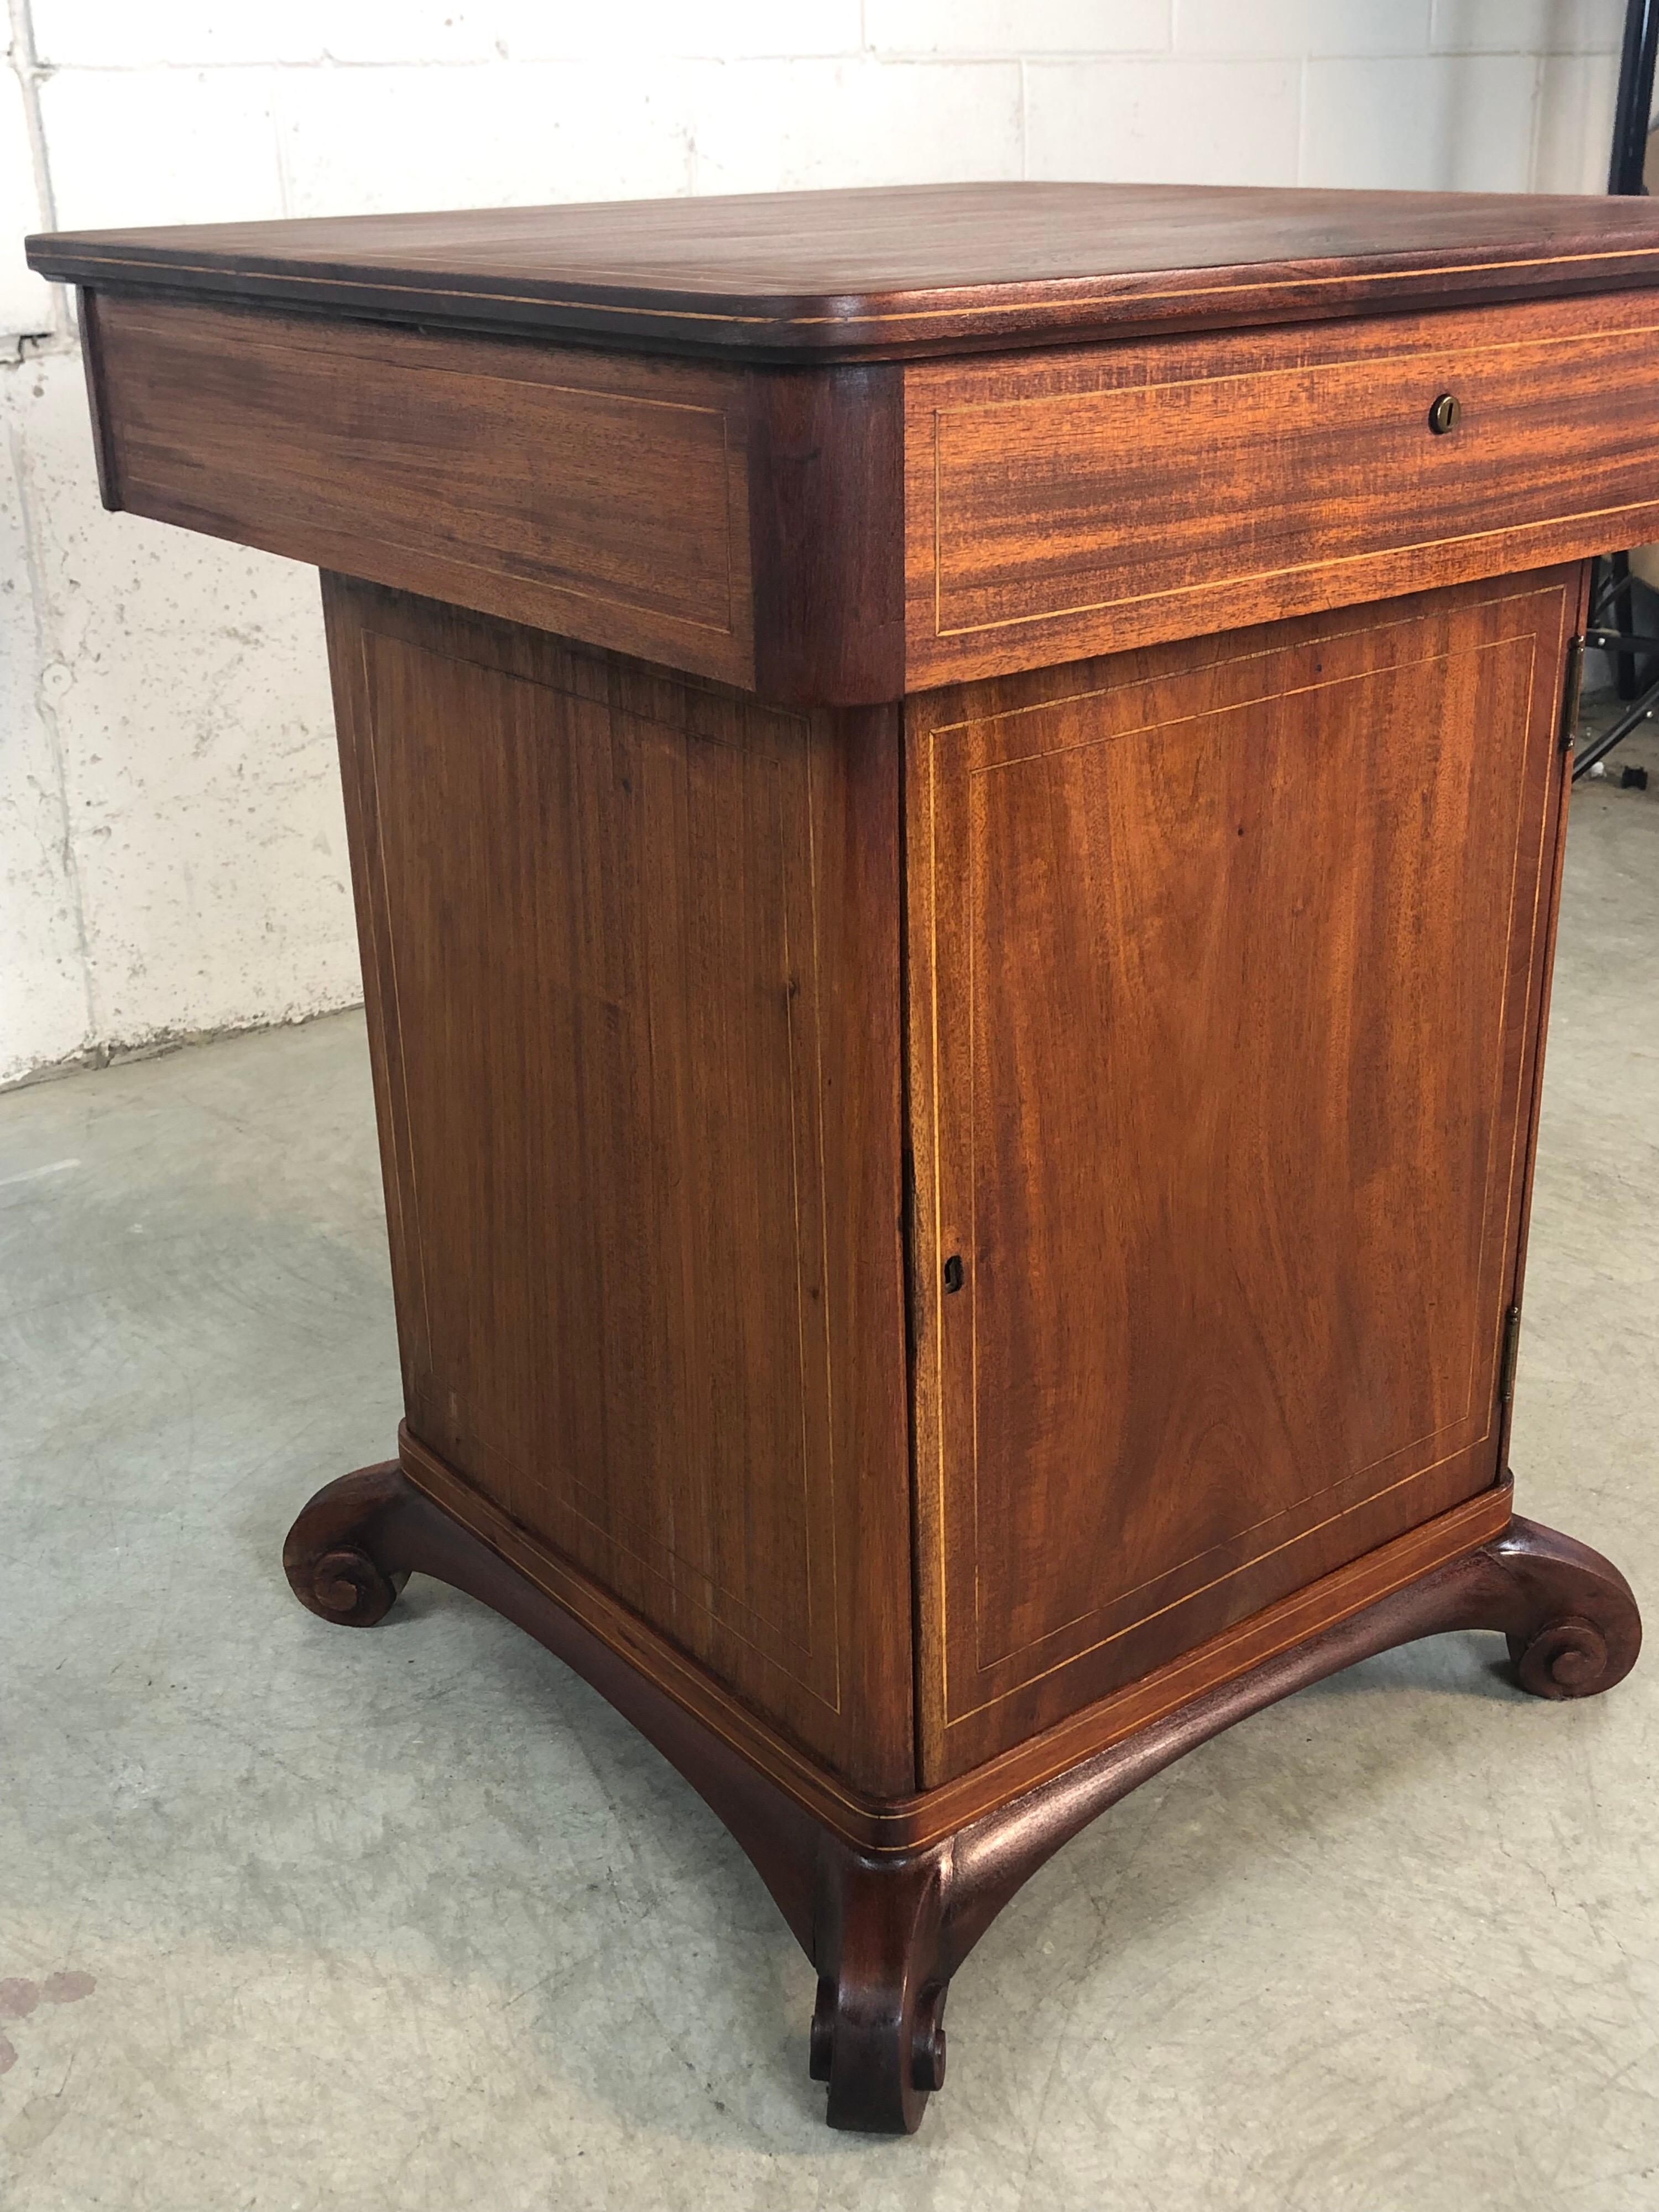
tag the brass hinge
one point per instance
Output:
(1570, 682)
(1506, 1358)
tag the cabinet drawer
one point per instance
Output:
(1093, 501)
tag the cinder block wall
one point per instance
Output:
(172, 851)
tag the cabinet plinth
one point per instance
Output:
(957, 869)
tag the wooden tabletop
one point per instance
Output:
(874, 274)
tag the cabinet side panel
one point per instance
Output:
(642, 1139)
(341, 614)
(1233, 965)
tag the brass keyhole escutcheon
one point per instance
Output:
(1443, 414)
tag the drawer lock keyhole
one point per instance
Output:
(953, 1272)
(1443, 414)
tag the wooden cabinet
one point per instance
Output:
(956, 799)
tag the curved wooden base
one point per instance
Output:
(887, 1931)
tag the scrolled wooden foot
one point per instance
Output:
(878, 2028)
(1578, 1631)
(1568, 1659)
(335, 1557)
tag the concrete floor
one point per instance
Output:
(292, 1917)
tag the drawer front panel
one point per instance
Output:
(1101, 500)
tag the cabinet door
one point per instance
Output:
(1227, 966)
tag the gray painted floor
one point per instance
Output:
(293, 1916)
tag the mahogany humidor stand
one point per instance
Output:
(956, 800)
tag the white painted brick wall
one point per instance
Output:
(172, 851)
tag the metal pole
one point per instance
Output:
(1629, 719)
(1630, 127)
(1632, 113)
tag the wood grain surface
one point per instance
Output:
(882, 272)
(632, 960)
(1077, 502)
(623, 501)
(1225, 982)
(596, 494)
(826, 503)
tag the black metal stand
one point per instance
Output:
(1612, 591)
(1642, 706)
(1635, 103)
